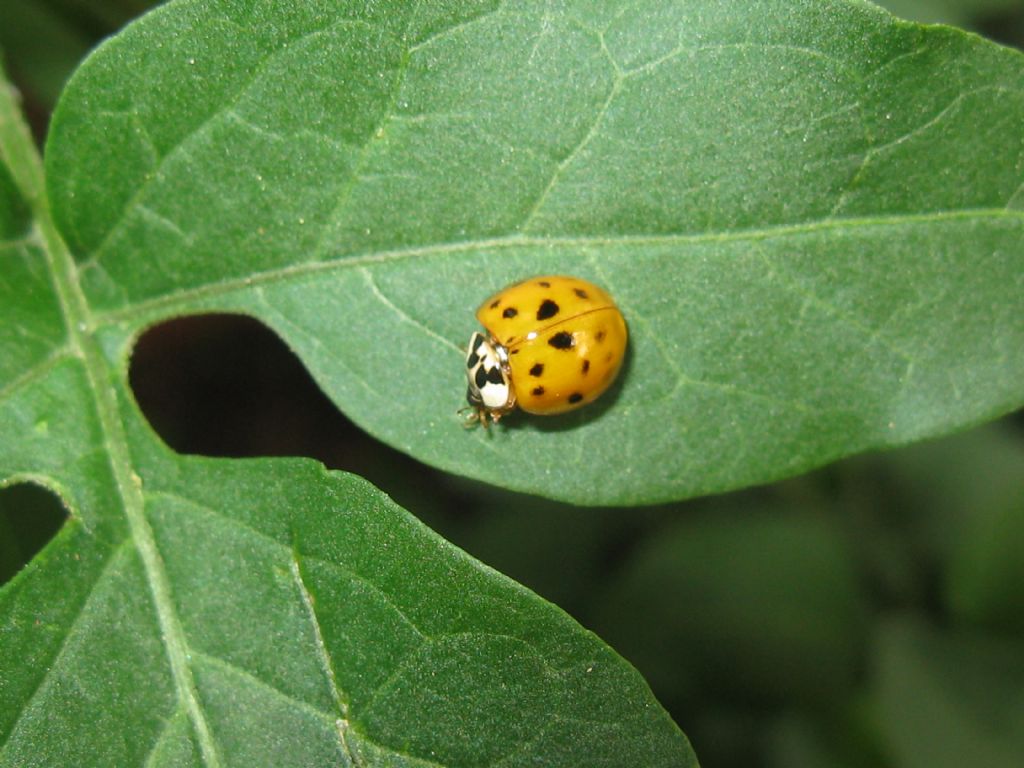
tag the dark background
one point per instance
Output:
(868, 614)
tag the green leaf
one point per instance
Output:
(810, 213)
(757, 604)
(987, 560)
(253, 613)
(948, 700)
(797, 741)
(955, 508)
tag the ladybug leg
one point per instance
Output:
(473, 417)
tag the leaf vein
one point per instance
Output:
(441, 34)
(566, 161)
(289, 551)
(956, 102)
(876, 150)
(152, 755)
(321, 647)
(372, 284)
(871, 335)
(694, 49)
(683, 379)
(115, 553)
(204, 125)
(345, 195)
(228, 666)
(35, 372)
(315, 340)
(19, 243)
(231, 285)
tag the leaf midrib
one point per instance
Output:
(144, 309)
(22, 157)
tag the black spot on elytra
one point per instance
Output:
(494, 375)
(562, 340)
(510, 312)
(537, 369)
(514, 352)
(538, 391)
(581, 293)
(548, 308)
(480, 378)
(608, 357)
(600, 336)
(586, 367)
(495, 303)
(575, 397)
(543, 283)
(473, 359)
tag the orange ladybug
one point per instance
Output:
(554, 343)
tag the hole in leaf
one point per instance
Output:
(226, 385)
(30, 517)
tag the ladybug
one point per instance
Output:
(554, 343)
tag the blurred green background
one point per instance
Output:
(868, 614)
